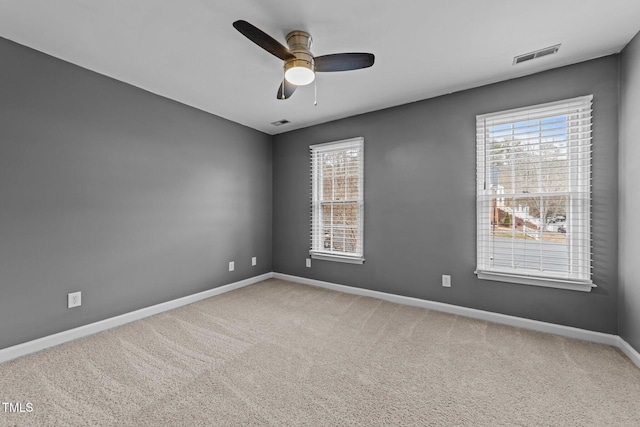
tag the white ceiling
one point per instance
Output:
(188, 51)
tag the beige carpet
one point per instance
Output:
(278, 354)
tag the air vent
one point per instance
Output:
(537, 54)
(280, 122)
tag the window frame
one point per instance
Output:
(579, 202)
(317, 250)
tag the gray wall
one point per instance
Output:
(129, 197)
(629, 199)
(134, 199)
(420, 199)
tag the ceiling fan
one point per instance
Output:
(300, 66)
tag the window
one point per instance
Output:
(337, 201)
(534, 195)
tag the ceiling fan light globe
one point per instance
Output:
(299, 76)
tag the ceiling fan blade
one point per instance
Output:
(263, 40)
(344, 61)
(288, 90)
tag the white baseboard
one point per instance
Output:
(629, 351)
(43, 343)
(34, 346)
(520, 322)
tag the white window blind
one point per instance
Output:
(534, 195)
(337, 200)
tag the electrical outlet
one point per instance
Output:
(74, 299)
(232, 266)
(308, 262)
(254, 261)
(446, 280)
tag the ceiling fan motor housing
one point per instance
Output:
(299, 44)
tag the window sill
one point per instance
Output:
(349, 259)
(572, 285)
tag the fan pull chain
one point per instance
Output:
(315, 92)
